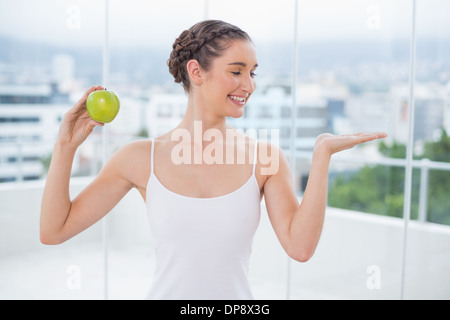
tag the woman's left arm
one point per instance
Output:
(298, 227)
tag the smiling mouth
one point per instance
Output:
(237, 99)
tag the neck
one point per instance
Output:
(199, 117)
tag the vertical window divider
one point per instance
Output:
(206, 9)
(105, 80)
(409, 150)
(293, 127)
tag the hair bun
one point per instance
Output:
(179, 55)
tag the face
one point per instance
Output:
(230, 82)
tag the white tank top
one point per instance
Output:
(202, 245)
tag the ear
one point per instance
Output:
(195, 71)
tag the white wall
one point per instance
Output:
(352, 244)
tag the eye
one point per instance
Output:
(252, 74)
(236, 73)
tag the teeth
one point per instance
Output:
(240, 99)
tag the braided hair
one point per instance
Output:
(203, 42)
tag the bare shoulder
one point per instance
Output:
(137, 148)
(133, 152)
(132, 162)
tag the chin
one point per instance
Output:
(236, 113)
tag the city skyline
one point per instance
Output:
(389, 59)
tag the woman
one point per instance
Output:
(203, 214)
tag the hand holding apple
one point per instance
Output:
(103, 105)
(76, 124)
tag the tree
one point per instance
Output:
(439, 180)
(379, 189)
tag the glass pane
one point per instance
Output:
(353, 70)
(141, 40)
(267, 111)
(51, 52)
(429, 232)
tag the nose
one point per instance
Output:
(249, 84)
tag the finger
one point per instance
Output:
(381, 134)
(88, 92)
(87, 118)
(96, 123)
(91, 125)
(360, 137)
(377, 134)
(81, 103)
(372, 136)
(364, 134)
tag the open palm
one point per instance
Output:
(336, 143)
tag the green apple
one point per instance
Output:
(103, 105)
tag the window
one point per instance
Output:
(352, 57)
(50, 53)
(19, 119)
(353, 71)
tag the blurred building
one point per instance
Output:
(29, 121)
(431, 111)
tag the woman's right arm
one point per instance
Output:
(62, 218)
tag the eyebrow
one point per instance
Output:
(241, 64)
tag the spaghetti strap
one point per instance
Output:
(255, 157)
(152, 155)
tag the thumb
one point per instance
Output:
(92, 124)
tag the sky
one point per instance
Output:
(145, 23)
